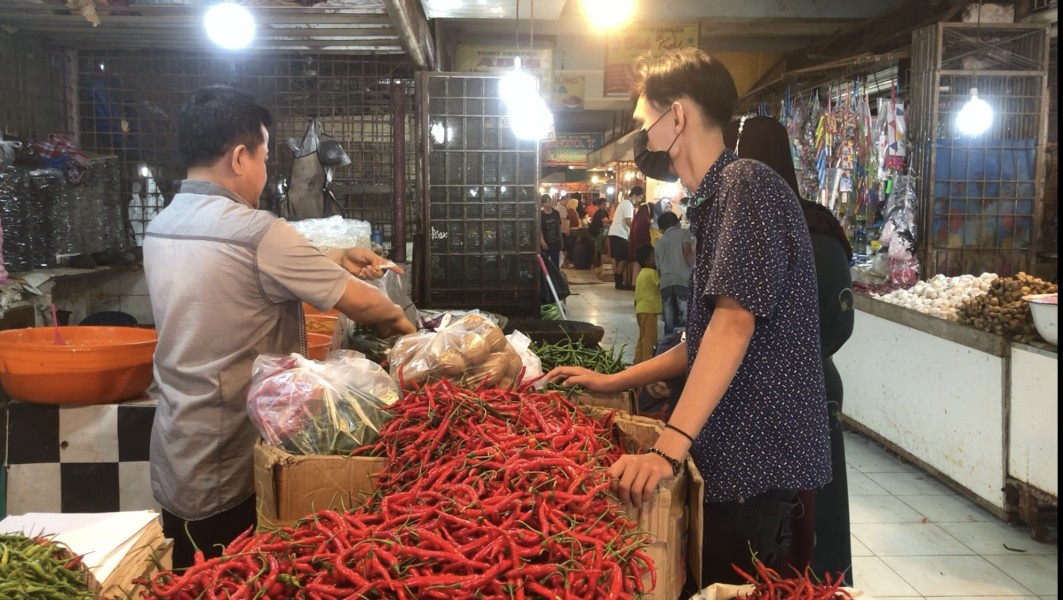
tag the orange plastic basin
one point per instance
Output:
(310, 310)
(325, 324)
(98, 365)
(317, 345)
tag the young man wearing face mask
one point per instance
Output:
(753, 413)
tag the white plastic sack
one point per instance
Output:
(533, 367)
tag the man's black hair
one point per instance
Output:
(689, 72)
(667, 220)
(637, 191)
(217, 119)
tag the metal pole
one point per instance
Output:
(398, 166)
(553, 292)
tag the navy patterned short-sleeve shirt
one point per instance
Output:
(769, 430)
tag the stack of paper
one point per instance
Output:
(117, 547)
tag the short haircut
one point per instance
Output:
(667, 220)
(545, 198)
(689, 72)
(599, 201)
(643, 254)
(637, 191)
(217, 119)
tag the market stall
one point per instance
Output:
(989, 432)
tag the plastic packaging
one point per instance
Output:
(432, 319)
(310, 407)
(15, 191)
(533, 366)
(335, 232)
(391, 284)
(48, 186)
(471, 350)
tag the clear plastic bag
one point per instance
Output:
(533, 367)
(335, 232)
(471, 350)
(391, 284)
(310, 407)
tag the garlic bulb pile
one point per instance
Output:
(941, 296)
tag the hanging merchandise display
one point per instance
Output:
(845, 158)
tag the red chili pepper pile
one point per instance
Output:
(769, 585)
(486, 494)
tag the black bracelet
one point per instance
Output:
(679, 431)
(676, 465)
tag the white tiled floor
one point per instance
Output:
(913, 537)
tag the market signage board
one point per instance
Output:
(624, 47)
(568, 91)
(499, 59)
(570, 149)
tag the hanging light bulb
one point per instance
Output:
(230, 26)
(529, 117)
(976, 116)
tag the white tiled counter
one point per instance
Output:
(933, 391)
(1033, 435)
(969, 407)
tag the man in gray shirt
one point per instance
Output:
(674, 253)
(226, 281)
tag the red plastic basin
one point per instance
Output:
(99, 365)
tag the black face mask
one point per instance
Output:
(654, 164)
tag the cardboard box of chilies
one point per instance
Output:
(290, 487)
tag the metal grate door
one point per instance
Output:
(481, 207)
(981, 198)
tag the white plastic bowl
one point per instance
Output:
(1045, 311)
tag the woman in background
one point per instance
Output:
(821, 530)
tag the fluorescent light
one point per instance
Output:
(529, 117)
(976, 116)
(230, 26)
(608, 14)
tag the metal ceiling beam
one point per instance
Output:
(407, 16)
(875, 37)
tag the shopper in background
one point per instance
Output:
(226, 281)
(598, 226)
(674, 254)
(573, 216)
(640, 229)
(619, 231)
(647, 303)
(821, 530)
(551, 237)
(562, 211)
(592, 207)
(753, 412)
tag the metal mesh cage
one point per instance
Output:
(130, 101)
(980, 196)
(480, 198)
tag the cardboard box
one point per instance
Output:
(289, 487)
(622, 401)
(673, 517)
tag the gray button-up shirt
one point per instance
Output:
(225, 281)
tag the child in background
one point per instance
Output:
(647, 302)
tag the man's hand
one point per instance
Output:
(363, 263)
(634, 477)
(571, 376)
(401, 326)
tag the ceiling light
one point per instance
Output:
(230, 26)
(976, 116)
(594, 179)
(610, 190)
(608, 14)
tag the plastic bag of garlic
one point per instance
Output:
(940, 296)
